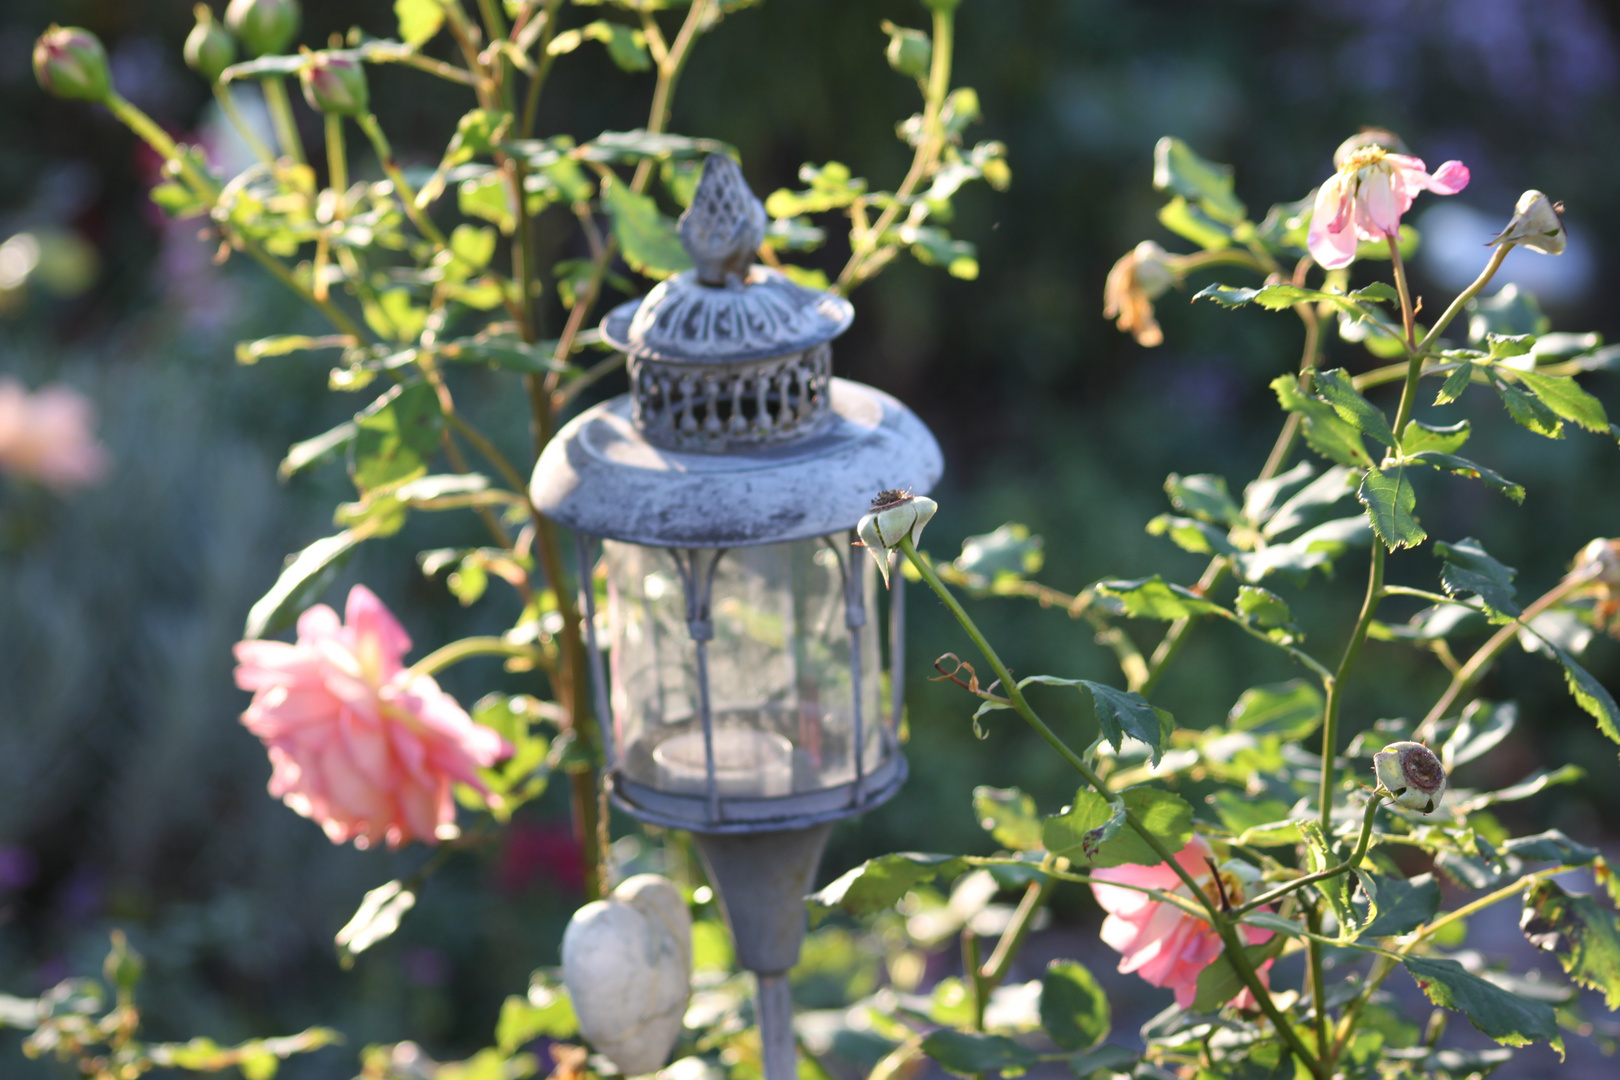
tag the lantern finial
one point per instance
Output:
(725, 224)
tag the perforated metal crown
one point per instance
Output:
(727, 353)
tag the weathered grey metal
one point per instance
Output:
(741, 815)
(715, 408)
(761, 880)
(602, 477)
(724, 225)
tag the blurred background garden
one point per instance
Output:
(131, 797)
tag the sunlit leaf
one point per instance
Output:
(1074, 1008)
(1389, 499)
(1505, 1017)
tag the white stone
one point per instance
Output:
(627, 961)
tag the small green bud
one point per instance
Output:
(895, 516)
(209, 48)
(334, 84)
(1411, 774)
(264, 27)
(909, 52)
(70, 63)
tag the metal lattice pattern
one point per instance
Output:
(708, 407)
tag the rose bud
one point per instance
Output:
(264, 27)
(895, 516)
(1537, 224)
(209, 48)
(334, 84)
(909, 52)
(70, 63)
(1412, 775)
(1141, 276)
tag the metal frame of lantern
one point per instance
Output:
(736, 435)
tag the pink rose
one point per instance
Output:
(1365, 199)
(1159, 941)
(47, 436)
(359, 742)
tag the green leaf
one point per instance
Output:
(1219, 982)
(1421, 437)
(1119, 713)
(251, 352)
(1403, 905)
(639, 144)
(1307, 505)
(1470, 569)
(646, 237)
(1455, 384)
(1154, 598)
(1529, 412)
(1263, 607)
(1074, 1008)
(1177, 169)
(487, 198)
(1564, 396)
(967, 1054)
(1314, 549)
(1010, 816)
(1290, 710)
(831, 187)
(1590, 695)
(305, 577)
(1193, 223)
(934, 247)
(878, 884)
(398, 434)
(323, 447)
(1325, 431)
(1198, 537)
(1336, 388)
(377, 917)
(1205, 497)
(1481, 728)
(524, 1020)
(1387, 494)
(1463, 467)
(1583, 933)
(1550, 846)
(419, 20)
(1335, 889)
(1110, 1060)
(1241, 812)
(626, 46)
(1504, 1016)
(1074, 833)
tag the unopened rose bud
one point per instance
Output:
(1412, 775)
(264, 27)
(334, 84)
(1537, 224)
(895, 516)
(909, 52)
(70, 63)
(209, 48)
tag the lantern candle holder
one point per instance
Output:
(739, 685)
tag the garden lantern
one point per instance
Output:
(740, 683)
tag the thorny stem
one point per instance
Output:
(970, 973)
(337, 164)
(1470, 672)
(1466, 295)
(1234, 947)
(281, 117)
(1006, 951)
(158, 139)
(1313, 953)
(334, 314)
(531, 100)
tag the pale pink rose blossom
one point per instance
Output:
(359, 743)
(48, 436)
(1160, 942)
(1365, 199)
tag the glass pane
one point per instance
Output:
(780, 677)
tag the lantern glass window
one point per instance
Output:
(781, 674)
